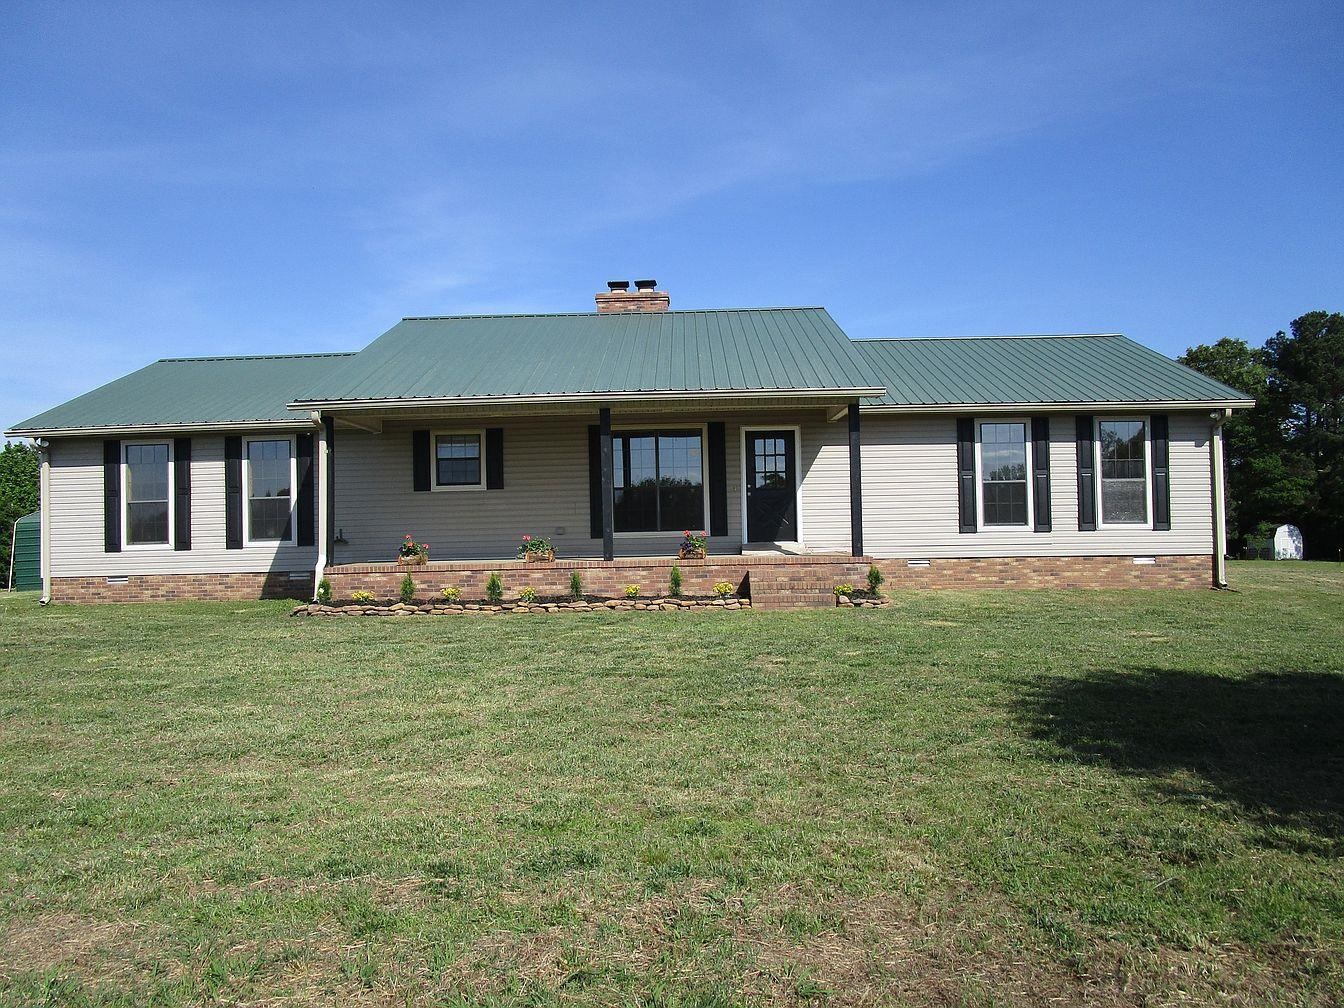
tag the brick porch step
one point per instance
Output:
(790, 592)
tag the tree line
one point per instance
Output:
(1285, 457)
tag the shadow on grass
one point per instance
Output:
(1272, 743)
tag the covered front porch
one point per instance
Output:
(775, 484)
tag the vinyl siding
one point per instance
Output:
(910, 497)
(77, 521)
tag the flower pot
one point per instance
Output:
(690, 553)
(414, 560)
(537, 556)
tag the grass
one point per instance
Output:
(968, 798)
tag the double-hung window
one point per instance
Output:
(148, 494)
(659, 481)
(270, 490)
(1005, 488)
(457, 461)
(1122, 457)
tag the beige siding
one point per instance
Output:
(77, 521)
(910, 496)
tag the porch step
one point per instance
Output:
(790, 592)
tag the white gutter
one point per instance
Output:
(41, 432)
(44, 519)
(593, 398)
(1219, 498)
(323, 517)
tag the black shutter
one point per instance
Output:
(718, 480)
(307, 508)
(182, 493)
(420, 460)
(1040, 471)
(1087, 476)
(111, 496)
(233, 493)
(966, 474)
(494, 458)
(594, 482)
(330, 425)
(1161, 473)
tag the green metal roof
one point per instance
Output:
(1012, 370)
(186, 392)
(768, 350)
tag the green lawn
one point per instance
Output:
(1006, 798)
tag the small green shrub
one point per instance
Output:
(723, 589)
(408, 589)
(528, 594)
(494, 588)
(674, 582)
(452, 593)
(362, 596)
(324, 591)
(875, 579)
(844, 589)
(632, 591)
(575, 586)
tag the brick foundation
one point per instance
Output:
(1051, 572)
(177, 587)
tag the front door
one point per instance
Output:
(772, 487)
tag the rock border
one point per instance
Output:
(446, 608)
(857, 601)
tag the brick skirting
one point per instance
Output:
(176, 587)
(1051, 572)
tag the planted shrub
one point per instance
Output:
(875, 579)
(844, 589)
(362, 596)
(324, 591)
(632, 591)
(494, 588)
(575, 586)
(674, 582)
(723, 589)
(452, 593)
(408, 589)
(528, 594)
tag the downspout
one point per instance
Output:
(323, 515)
(44, 517)
(1219, 498)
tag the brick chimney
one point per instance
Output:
(618, 297)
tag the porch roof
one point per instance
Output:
(503, 358)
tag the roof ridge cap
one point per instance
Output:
(593, 314)
(224, 357)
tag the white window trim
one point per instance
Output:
(797, 429)
(293, 493)
(1147, 421)
(126, 543)
(434, 436)
(667, 428)
(1030, 523)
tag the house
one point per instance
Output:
(806, 456)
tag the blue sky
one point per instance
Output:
(279, 178)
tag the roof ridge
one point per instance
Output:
(987, 336)
(224, 357)
(675, 311)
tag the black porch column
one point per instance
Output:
(855, 484)
(608, 483)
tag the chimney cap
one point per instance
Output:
(622, 285)
(645, 285)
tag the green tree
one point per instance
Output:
(18, 493)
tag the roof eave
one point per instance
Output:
(158, 428)
(1059, 407)
(584, 397)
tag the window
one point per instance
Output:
(457, 461)
(270, 498)
(148, 483)
(1003, 473)
(1123, 465)
(659, 481)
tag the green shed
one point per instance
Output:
(25, 563)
